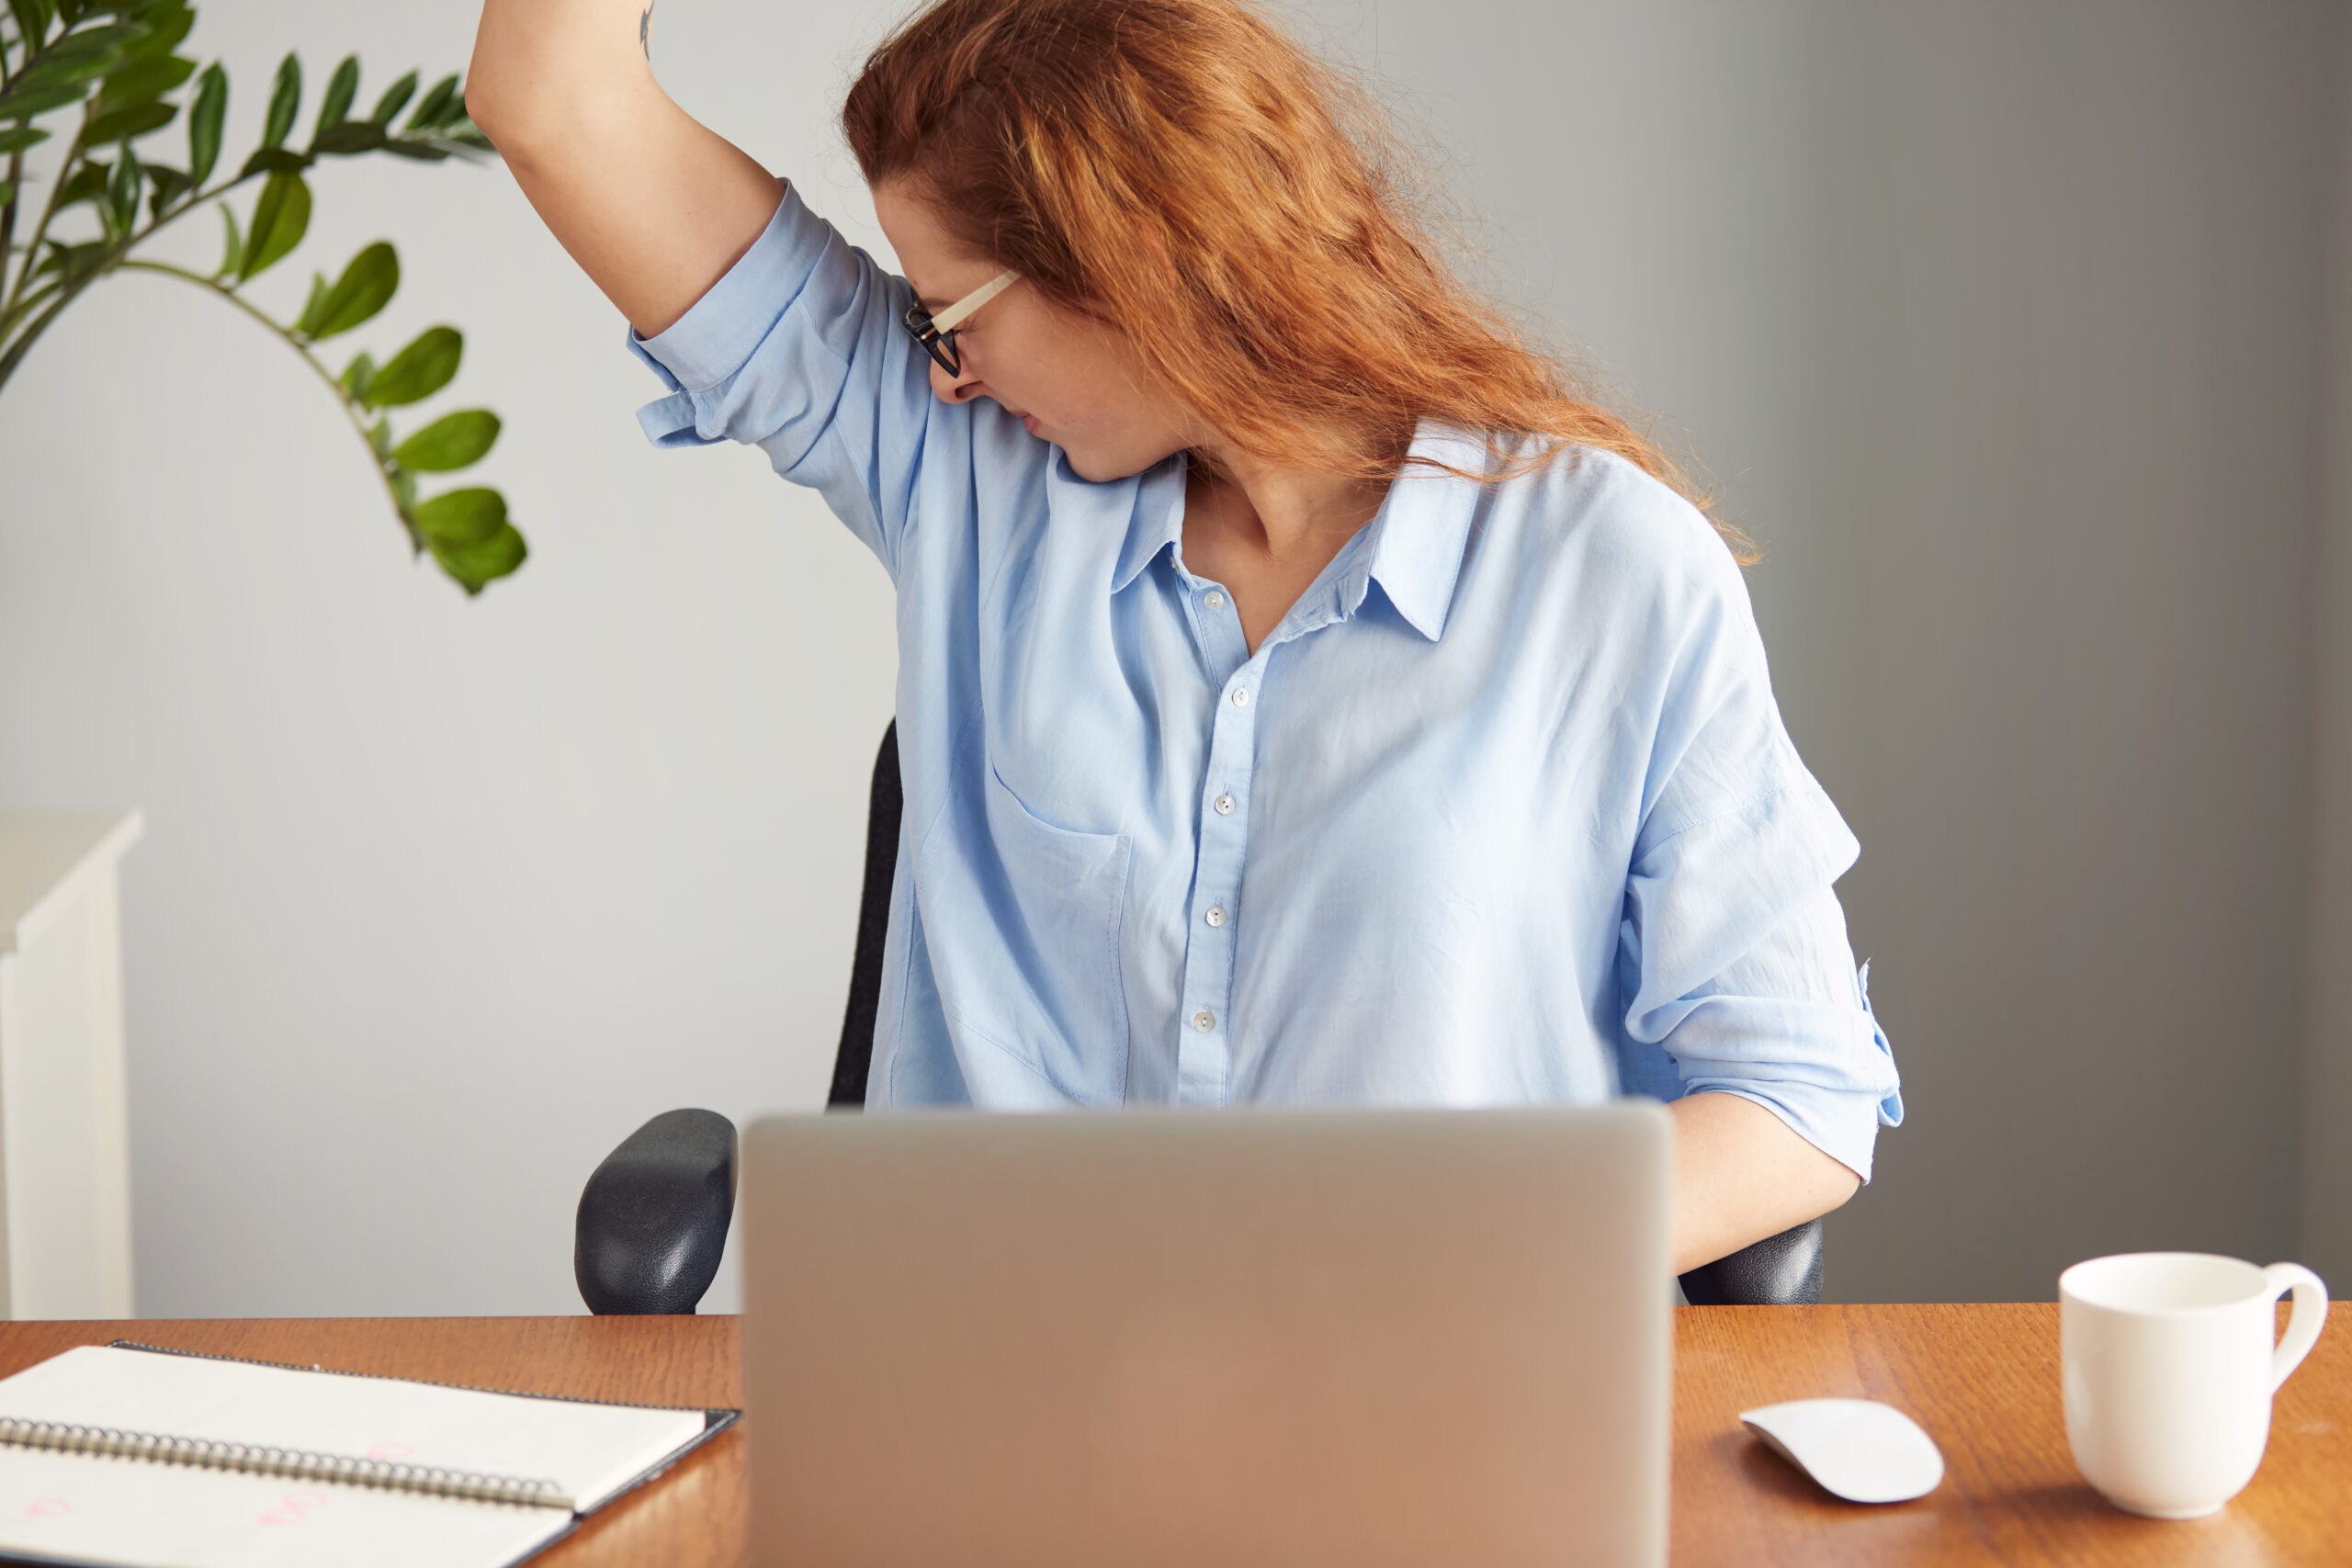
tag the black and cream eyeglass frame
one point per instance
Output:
(937, 333)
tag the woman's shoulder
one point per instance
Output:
(1601, 522)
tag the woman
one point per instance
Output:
(1302, 697)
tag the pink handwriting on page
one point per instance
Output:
(294, 1507)
(390, 1451)
(49, 1508)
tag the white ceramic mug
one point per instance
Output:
(2169, 1369)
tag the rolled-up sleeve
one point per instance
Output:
(797, 350)
(1738, 970)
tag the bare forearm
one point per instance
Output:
(1742, 1174)
(653, 206)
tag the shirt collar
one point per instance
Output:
(1412, 548)
(1158, 523)
(1422, 528)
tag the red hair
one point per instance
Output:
(1186, 170)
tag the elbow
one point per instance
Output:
(481, 101)
(505, 84)
(490, 103)
(517, 122)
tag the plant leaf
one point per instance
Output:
(118, 125)
(60, 71)
(170, 184)
(232, 246)
(137, 81)
(122, 191)
(437, 103)
(418, 371)
(351, 136)
(76, 57)
(462, 516)
(422, 152)
(281, 218)
(276, 161)
(357, 378)
(476, 567)
(285, 101)
(32, 20)
(311, 305)
(380, 434)
(86, 183)
(23, 103)
(107, 41)
(164, 25)
(395, 99)
(342, 87)
(71, 262)
(204, 123)
(453, 441)
(366, 287)
(16, 139)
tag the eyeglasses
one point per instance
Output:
(937, 333)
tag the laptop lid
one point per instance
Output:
(1353, 1338)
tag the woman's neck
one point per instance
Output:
(1281, 510)
(1267, 532)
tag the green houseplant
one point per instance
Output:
(111, 70)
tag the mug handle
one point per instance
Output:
(2303, 1323)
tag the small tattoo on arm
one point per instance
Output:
(645, 32)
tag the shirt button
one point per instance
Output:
(1204, 1022)
(1215, 601)
(1216, 917)
(1241, 697)
(1225, 805)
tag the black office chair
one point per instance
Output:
(654, 1218)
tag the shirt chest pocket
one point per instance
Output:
(1023, 919)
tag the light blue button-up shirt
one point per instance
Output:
(1501, 813)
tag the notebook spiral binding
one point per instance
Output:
(294, 1464)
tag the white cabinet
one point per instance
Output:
(64, 1138)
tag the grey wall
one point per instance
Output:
(2327, 1239)
(1997, 323)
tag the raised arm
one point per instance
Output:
(652, 205)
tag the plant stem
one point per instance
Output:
(48, 211)
(352, 408)
(15, 352)
(8, 207)
(32, 300)
(15, 164)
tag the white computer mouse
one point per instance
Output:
(1857, 1448)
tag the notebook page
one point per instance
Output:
(73, 1507)
(590, 1451)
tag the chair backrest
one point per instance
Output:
(1779, 1270)
(884, 804)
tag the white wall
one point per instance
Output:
(440, 898)
(1993, 322)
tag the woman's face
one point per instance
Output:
(1071, 380)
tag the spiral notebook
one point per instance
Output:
(131, 1456)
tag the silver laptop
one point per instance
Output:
(1353, 1338)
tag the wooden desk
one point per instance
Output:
(1982, 1379)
